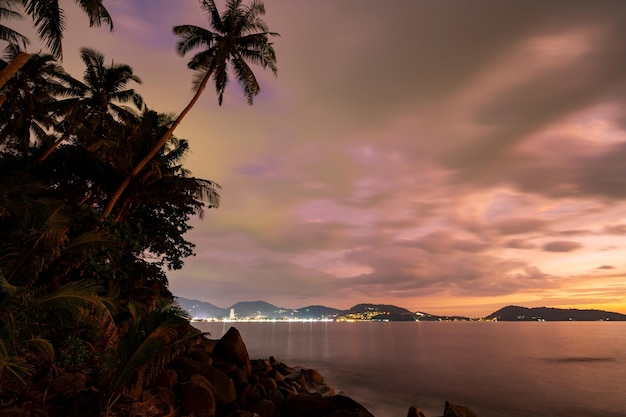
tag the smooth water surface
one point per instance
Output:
(499, 369)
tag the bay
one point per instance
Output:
(526, 369)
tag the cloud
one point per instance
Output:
(561, 246)
(519, 244)
(447, 241)
(514, 226)
(415, 153)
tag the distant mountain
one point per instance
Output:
(264, 310)
(255, 310)
(517, 313)
(202, 309)
(381, 312)
(387, 312)
(377, 312)
(316, 312)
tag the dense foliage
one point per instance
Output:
(83, 285)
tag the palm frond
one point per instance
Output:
(246, 79)
(49, 19)
(14, 365)
(148, 346)
(213, 15)
(96, 11)
(192, 37)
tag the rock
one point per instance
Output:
(268, 383)
(197, 397)
(199, 354)
(274, 374)
(261, 366)
(231, 348)
(263, 408)
(454, 410)
(297, 377)
(321, 389)
(415, 412)
(350, 413)
(276, 397)
(223, 386)
(282, 368)
(238, 376)
(306, 406)
(227, 367)
(249, 395)
(311, 375)
(347, 404)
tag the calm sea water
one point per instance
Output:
(547, 369)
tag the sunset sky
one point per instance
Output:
(448, 156)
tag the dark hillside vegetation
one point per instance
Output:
(94, 206)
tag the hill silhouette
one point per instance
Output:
(518, 313)
(381, 312)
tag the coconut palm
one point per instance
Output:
(28, 112)
(99, 110)
(6, 33)
(164, 196)
(49, 19)
(239, 36)
(7, 70)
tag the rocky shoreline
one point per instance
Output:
(213, 378)
(216, 378)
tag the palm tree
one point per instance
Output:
(14, 38)
(30, 97)
(239, 35)
(49, 19)
(99, 107)
(164, 182)
(8, 34)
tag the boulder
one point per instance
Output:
(415, 412)
(297, 378)
(455, 410)
(260, 366)
(197, 397)
(263, 408)
(199, 354)
(223, 386)
(268, 383)
(231, 348)
(347, 404)
(276, 397)
(312, 376)
(306, 406)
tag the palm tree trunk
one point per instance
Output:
(117, 194)
(9, 71)
(52, 148)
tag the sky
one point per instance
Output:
(451, 157)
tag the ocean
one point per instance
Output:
(499, 369)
